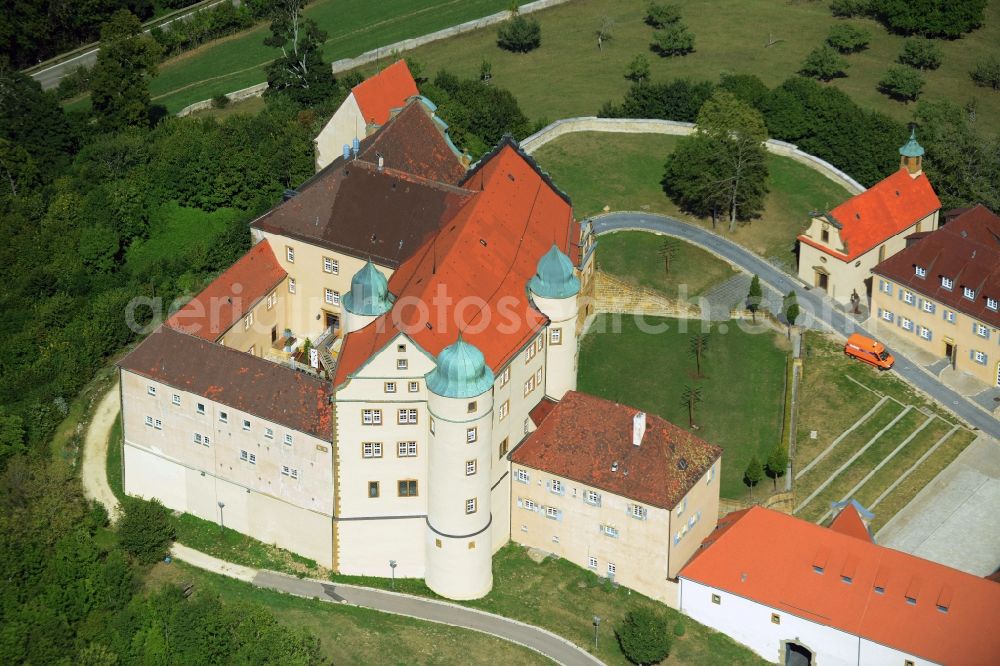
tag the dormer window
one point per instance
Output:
(991, 303)
(947, 282)
(921, 271)
(825, 235)
(969, 293)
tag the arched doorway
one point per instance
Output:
(797, 655)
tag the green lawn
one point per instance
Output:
(174, 231)
(624, 172)
(742, 389)
(635, 256)
(569, 76)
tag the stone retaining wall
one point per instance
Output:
(783, 502)
(613, 295)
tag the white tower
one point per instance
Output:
(460, 401)
(368, 298)
(554, 290)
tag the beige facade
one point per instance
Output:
(840, 278)
(346, 125)
(643, 547)
(274, 483)
(262, 323)
(972, 345)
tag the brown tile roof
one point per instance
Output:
(967, 250)
(584, 436)
(234, 378)
(224, 302)
(540, 411)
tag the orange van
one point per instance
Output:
(869, 351)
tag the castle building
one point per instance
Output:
(840, 247)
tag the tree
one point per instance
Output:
(931, 18)
(754, 297)
(673, 39)
(120, 80)
(644, 636)
(791, 308)
(691, 177)
(746, 87)
(753, 474)
(850, 8)
(660, 15)
(690, 397)
(987, 73)
(680, 99)
(33, 120)
(824, 63)
(638, 69)
(901, 83)
(519, 34)
(920, 54)
(300, 72)
(11, 436)
(668, 252)
(145, 530)
(697, 346)
(847, 38)
(777, 463)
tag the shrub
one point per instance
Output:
(987, 73)
(847, 38)
(220, 101)
(930, 18)
(660, 15)
(679, 629)
(920, 54)
(850, 8)
(674, 39)
(824, 63)
(519, 34)
(145, 530)
(902, 83)
(75, 83)
(643, 636)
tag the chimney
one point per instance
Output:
(638, 428)
(381, 161)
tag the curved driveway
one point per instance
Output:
(814, 304)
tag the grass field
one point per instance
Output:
(742, 388)
(624, 172)
(569, 76)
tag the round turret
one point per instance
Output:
(368, 298)
(554, 277)
(912, 155)
(554, 289)
(461, 372)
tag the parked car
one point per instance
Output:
(869, 351)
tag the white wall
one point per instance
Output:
(345, 125)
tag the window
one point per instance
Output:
(406, 449)
(331, 265)
(289, 471)
(472, 407)
(555, 336)
(503, 448)
(539, 343)
(911, 600)
(288, 439)
(921, 271)
(906, 324)
(556, 486)
(223, 417)
(612, 569)
(401, 348)
(610, 531)
(846, 579)
(908, 297)
(371, 449)
(775, 618)
(527, 425)
(176, 399)
(881, 253)
(373, 489)
(431, 419)
(206, 440)
(522, 476)
(471, 505)
(471, 434)
(248, 457)
(401, 364)
(949, 316)
(824, 235)
(886, 287)
(969, 293)
(716, 599)
(200, 408)
(530, 505)
(390, 387)
(947, 282)
(639, 512)
(371, 417)
(291, 285)
(592, 562)
(406, 416)
(529, 354)
(271, 300)
(197, 438)
(268, 433)
(290, 254)
(818, 569)
(151, 390)
(879, 589)
(149, 421)
(248, 321)
(470, 467)
(246, 424)
(538, 377)
(407, 488)
(505, 376)
(553, 513)
(331, 297)
(982, 331)
(677, 538)
(681, 506)
(928, 307)
(504, 409)
(979, 357)
(991, 303)
(529, 385)
(925, 333)
(413, 387)
(711, 475)
(592, 497)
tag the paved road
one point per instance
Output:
(544, 642)
(813, 303)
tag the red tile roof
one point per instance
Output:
(224, 302)
(542, 410)
(483, 257)
(966, 250)
(584, 436)
(234, 378)
(879, 213)
(768, 557)
(849, 522)
(378, 95)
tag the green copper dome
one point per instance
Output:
(461, 372)
(369, 294)
(554, 277)
(911, 148)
